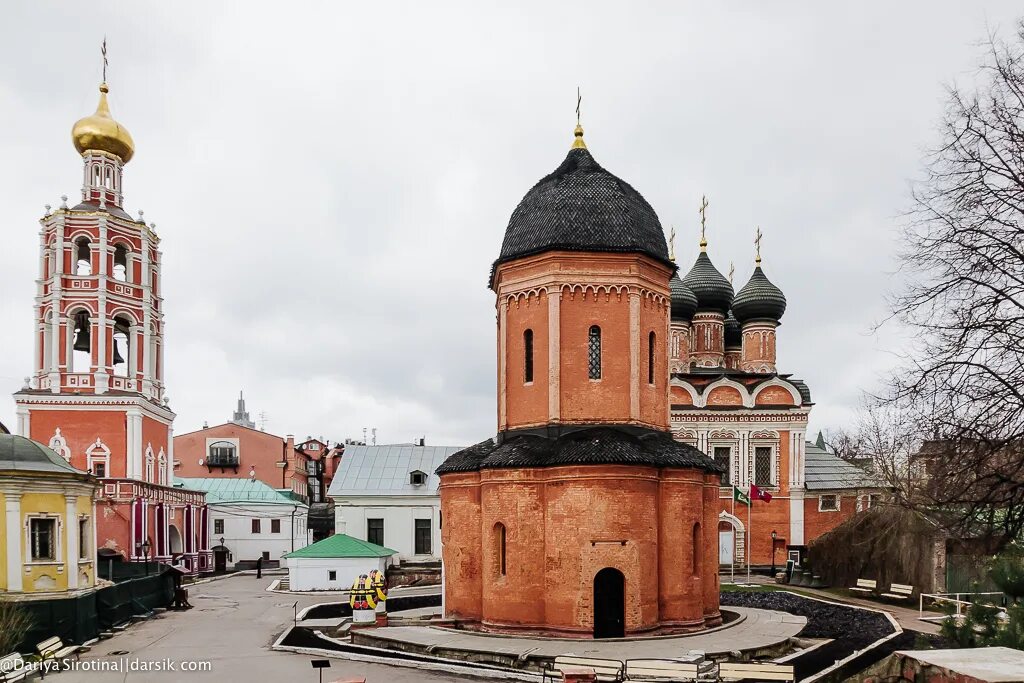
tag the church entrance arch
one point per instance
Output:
(731, 539)
(609, 604)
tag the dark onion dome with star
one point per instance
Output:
(712, 289)
(582, 207)
(684, 301)
(759, 299)
(733, 332)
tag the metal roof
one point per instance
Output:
(25, 455)
(825, 471)
(340, 545)
(385, 470)
(231, 490)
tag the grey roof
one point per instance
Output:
(712, 289)
(582, 207)
(25, 455)
(684, 301)
(385, 470)
(759, 299)
(825, 471)
(584, 445)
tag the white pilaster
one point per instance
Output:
(134, 467)
(634, 355)
(24, 421)
(71, 540)
(554, 353)
(14, 541)
(502, 363)
(796, 516)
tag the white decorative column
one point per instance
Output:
(71, 539)
(502, 362)
(796, 516)
(14, 541)
(133, 466)
(102, 376)
(554, 351)
(147, 317)
(634, 355)
(24, 422)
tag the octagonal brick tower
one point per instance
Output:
(582, 517)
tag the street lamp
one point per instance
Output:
(144, 546)
(774, 536)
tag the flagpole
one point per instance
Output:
(732, 555)
(750, 536)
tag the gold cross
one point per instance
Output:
(732, 270)
(672, 244)
(579, 100)
(703, 218)
(103, 51)
(757, 245)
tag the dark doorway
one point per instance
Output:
(220, 560)
(609, 604)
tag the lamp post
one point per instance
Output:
(774, 536)
(145, 545)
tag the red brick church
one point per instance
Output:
(583, 517)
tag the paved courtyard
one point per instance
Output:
(233, 625)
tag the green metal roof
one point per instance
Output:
(341, 545)
(25, 455)
(231, 490)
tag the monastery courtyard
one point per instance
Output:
(233, 625)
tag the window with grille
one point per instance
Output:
(499, 529)
(423, 540)
(594, 352)
(528, 356)
(723, 456)
(650, 358)
(218, 526)
(763, 466)
(828, 503)
(375, 531)
(44, 537)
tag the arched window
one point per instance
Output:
(121, 263)
(121, 353)
(499, 537)
(81, 345)
(594, 352)
(528, 356)
(650, 358)
(83, 257)
(698, 550)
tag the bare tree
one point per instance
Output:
(847, 444)
(962, 389)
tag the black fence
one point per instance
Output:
(82, 618)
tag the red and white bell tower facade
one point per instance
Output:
(97, 394)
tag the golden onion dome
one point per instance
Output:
(101, 132)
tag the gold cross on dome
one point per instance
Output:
(757, 245)
(703, 219)
(103, 51)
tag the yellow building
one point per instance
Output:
(47, 513)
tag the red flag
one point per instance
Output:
(757, 493)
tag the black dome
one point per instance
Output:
(713, 290)
(733, 332)
(684, 301)
(759, 299)
(582, 207)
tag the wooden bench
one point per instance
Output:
(756, 672)
(606, 669)
(54, 648)
(13, 668)
(899, 591)
(660, 670)
(865, 586)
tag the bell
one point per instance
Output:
(82, 335)
(117, 355)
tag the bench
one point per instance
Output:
(865, 586)
(899, 591)
(660, 670)
(755, 671)
(55, 649)
(606, 669)
(13, 668)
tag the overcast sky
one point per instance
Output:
(331, 181)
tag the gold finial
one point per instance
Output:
(578, 133)
(757, 246)
(100, 132)
(672, 244)
(703, 218)
(732, 271)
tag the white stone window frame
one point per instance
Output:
(864, 501)
(765, 440)
(161, 468)
(821, 498)
(84, 549)
(58, 542)
(733, 444)
(150, 462)
(59, 445)
(98, 453)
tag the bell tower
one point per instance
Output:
(96, 391)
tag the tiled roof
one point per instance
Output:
(341, 545)
(582, 207)
(684, 301)
(712, 289)
(231, 490)
(385, 470)
(825, 471)
(759, 299)
(580, 446)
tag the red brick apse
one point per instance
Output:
(582, 517)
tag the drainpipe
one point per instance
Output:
(294, 508)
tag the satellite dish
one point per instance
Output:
(200, 462)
